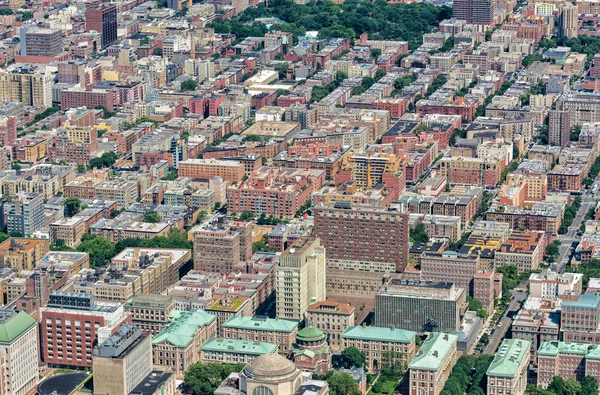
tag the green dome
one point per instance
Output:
(310, 334)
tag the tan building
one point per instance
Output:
(178, 345)
(122, 361)
(523, 249)
(28, 84)
(507, 374)
(373, 341)
(300, 278)
(332, 318)
(430, 368)
(150, 313)
(23, 253)
(69, 230)
(229, 170)
(282, 332)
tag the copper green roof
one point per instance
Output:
(508, 358)
(433, 351)
(182, 329)
(261, 324)
(378, 333)
(553, 348)
(13, 325)
(248, 347)
(310, 333)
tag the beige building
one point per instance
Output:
(332, 318)
(276, 331)
(430, 368)
(300, 278)
(69, 230)
(178, 345)
(229, 170)
(19, 343)
(23, 253)
(28, 84)
(507, 374)
(122, 361)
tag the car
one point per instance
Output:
(499, 324)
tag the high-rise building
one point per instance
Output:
(559, 127)
(25, 214)
(363, 242)
(150, 313)
(122, 361)
(420, 306)
(28, 84)
(72, 324)
(41, 42)
(300, 278)
(102, 17)
(19, 346)
(478, 12)
(569, 21)
(8, 130)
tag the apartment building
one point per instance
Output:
(451, 267)
(332, 318)
(508, 371)
(373, 341)
(178, 345)
(431, 366)
(374, 242)
(523, 249)
(300, 278)
(229, 170)
(420, 306)
(552, 285)
(29, 84)
(471, 171)
(25, 214)
(259, 329)
(74, 145)
(580, 320)
(23, 253)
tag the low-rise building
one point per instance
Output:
(332, 318)
(570, 361)
(258, 329)
(431, 366)
(507, 374)
(232, 351)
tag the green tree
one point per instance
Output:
(418, 234)
(379, 74)
(572, 387)
(342, 384)
(574, 133)
(246, 215)
(375, 52)
(557, 385)
(589, 386)
(392, 363)
(81, 168)
(552, 251)
(72, 206)
(204, 379)
(352, 356)
(99, 248)
(189, 85)
(152, 217)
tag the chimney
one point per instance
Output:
(393, 327)
(364, 325)
(435, 353)
(445, 336)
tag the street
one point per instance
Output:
(500, 330)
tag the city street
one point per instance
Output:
(500, 330)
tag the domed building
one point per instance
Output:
(270, 374)
(311, 352)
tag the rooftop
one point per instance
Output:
(433, 351)
(239, 346)
(182, 330)
(508, 358)
(261, 324)
(379, 334)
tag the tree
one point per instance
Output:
(379, 74)
(72, 206)
(392, 363)
(157, 52)
(99, 248)
(204, 379)
(375, 52)
(572, 387)
(574, 133)
(246, 215)
(81, 168)
(552, 251)
(189, 85)
(557, 385)
(109, 158)
(152, 217)
(589, 386)
(418, 234)
(342, 384)
(352, 356)
(171, 176)
(281, 69)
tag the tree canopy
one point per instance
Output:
(152, 217)
(352, 356)
(204, 379)
(72, 206)
(342, 384)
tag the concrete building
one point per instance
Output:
(580, 320)
(158, 382)
(19, 343)
(332, 318)
(122, 361)
(300, 278)
(420, 306)
(451, 267)
(431, 366)
(229, 170)
(552, 285)
(569, 21)
(507, 374)
(374, 242)
(28, 84)
(523, 249)
(178, 345)
(150, 313)
(282, 332)
(373, 341)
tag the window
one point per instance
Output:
(262, 391)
